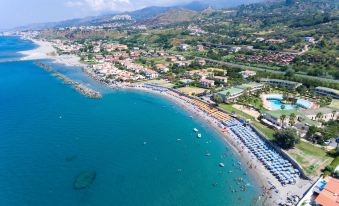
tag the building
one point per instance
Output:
(162, 68)
(184, 47)
(220, 79)
(200, 48)
(235, 49)
(207, 83)
(283, 83)
(248, 73)
(251, 87)
(201, 62)
(309, 39)
(231, 94)
(329, 195)
(327, 92)
(322, 114)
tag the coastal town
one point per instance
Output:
(282, 121)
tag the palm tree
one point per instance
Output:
(333, 114)
(319, 116)
(282, 119)
(292, 119)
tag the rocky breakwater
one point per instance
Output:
(88, 92)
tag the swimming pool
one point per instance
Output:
(274, 103)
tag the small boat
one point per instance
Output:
(221, 164)
(178, 140)
(199, 135)
(195, 130)
(145, 143)
(208, 154)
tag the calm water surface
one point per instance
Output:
(49, 134)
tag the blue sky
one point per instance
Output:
(21, 12)
(15, 13)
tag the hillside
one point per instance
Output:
(171, 17)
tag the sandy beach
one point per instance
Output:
(45, 50)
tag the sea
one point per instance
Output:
(141, 146)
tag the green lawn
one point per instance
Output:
(229, 108)
(310, 149)
(310, 157)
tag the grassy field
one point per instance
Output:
(310, 157)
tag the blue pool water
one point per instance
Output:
(275, 104)
(50, 133)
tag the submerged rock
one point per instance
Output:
(84, 180)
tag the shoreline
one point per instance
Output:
(253, 167)
(45, 50)
(256, 175)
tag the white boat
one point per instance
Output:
(196, 130)
(221, 164)
(199, 135)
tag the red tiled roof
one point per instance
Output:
(329, 196)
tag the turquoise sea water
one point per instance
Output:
(49, 134)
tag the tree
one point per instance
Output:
(311, 132)
(287, 138)
(292, 119)
(333, 114)
(217, 98)
(282, 107)
(319, 116)
(282, 119)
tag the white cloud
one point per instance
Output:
(119, 5)
(74, 3)
(101, 5)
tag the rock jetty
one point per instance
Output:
(76, 85)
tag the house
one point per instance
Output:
(329, 194)
(327, 92)
(180, 57)
(183, 63)
(201, 62)
(279, 82)
(200, 48)
(310, 40)
(235, 49)
(248, 73)
(184, 47)
(275, 41)
(220, 79)
(161, 53)
(202, 73)
(171, 59)
(150, 74)
(99, 58)
(207, 83)
(260, 39)
(162, 68)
